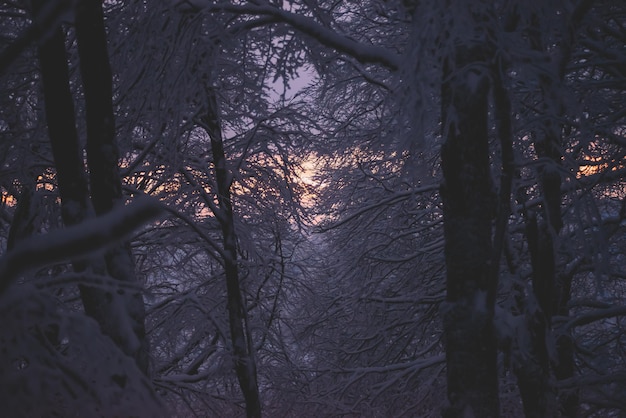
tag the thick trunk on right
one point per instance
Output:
(552, 290)
(532, 365)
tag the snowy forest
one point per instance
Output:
(313, 208)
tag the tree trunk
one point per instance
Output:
(550, 289)
(59, 109)
(107, 306)
(95, 70)
(468, 210)
(243, 349)
(104, 175)
(532, 364)
(554, 291)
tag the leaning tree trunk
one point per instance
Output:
(468, 210)
(241, 340)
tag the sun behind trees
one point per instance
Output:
(455, 247)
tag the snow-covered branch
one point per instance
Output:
(388, 200)
(595, 315)
(308, 26)
(76, 241)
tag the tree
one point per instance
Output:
(440, 210)
(222, 147)
(468, 212)
(110, 306)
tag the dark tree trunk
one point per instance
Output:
(551, 291)
(104, 174)
(59, 109)
(243, 349)
(66, 149)
(95, 70)
(468, 208)
(24, 222)
(532, 364)
(108, 307)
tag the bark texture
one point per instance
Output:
(468, 208)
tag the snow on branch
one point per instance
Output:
(76, 241)
(595, 315)
(308, 26)
(388, 200)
